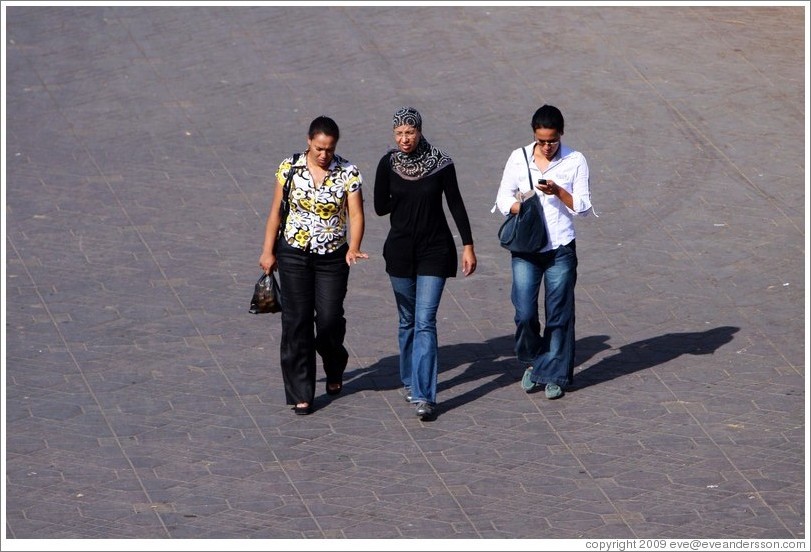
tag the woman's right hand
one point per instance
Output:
(516, 207)
(268, 262)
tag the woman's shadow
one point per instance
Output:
(485, 358)
(651, 352)
(493, 362)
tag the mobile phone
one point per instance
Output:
(541, 182)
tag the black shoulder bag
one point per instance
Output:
(525, 232)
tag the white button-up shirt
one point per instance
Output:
(568, 170)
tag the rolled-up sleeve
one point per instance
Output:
(581, 191)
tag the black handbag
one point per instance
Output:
(267, 295)
(525, 232)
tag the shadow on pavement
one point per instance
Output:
(651, 352)
(496, 357)
(493, 355)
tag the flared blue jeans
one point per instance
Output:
(417, 304)
(551, 353)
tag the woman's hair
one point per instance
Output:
(324, 125)
(548, 116)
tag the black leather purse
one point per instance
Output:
(525, 232)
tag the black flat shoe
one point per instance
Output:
(334, 390)
(303, 410)
(426, 411)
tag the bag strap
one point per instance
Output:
(284, 207)
(529, 174)
(531, 187)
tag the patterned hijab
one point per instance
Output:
(425, 159)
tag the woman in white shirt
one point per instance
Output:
(561, 174)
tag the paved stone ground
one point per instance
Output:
(143, 401)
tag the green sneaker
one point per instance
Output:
(526, 383)
(553, 391)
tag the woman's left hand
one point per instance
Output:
(353, 255)
(468, 261)
(550, 188)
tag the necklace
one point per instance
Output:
(319, 176)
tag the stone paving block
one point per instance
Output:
(142, 144)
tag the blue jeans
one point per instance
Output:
(552, 353)
(417, 304)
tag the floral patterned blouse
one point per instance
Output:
(317, 218)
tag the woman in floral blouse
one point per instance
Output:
(314, 253)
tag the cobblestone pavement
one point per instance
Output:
(142, 401)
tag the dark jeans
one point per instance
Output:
(313, 292)
(552, 353)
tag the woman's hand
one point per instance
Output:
(548, 187)
(468, 260)
(353, 255)
(268, 262)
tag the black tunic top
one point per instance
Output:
(420, 241)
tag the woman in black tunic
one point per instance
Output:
(419, 251)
